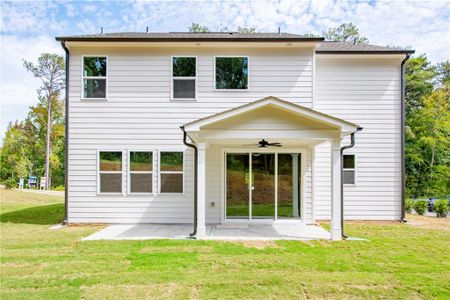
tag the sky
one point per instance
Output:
(28, 28)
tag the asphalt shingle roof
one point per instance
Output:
(347, 47)
(188, 36)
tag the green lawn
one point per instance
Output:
(400, 261)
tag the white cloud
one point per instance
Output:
(18, 87)
(28, 27)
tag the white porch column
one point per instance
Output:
(295, 185)
(336, 230)
(201, 191)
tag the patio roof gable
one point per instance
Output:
(296, 110)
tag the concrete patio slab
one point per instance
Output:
(275, 231)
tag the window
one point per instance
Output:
(94, 77)
(349, 169)
(141, 172)
(231, 73)
(171, 172)
(184, 78)
(110, 172)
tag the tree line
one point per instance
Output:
(38, 141)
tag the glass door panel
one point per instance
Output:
(289, 166)
(237, 182)
(263, 185)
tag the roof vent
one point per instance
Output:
(230, 33)
(101, 30)
(146, 29)
(279, 30)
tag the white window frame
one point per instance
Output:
(94, 77)
(129, 172)
(110, 172)
(349, 169)
(248, 73)
(171, 172)
(183, 78)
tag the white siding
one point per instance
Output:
(139, 115)
(365, 91)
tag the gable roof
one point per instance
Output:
(330, 47)
(190, 37)
(300, 110)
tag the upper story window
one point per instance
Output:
(231, 73)
(94, 77)
(110, 171)
(349, 169)
(184, 73)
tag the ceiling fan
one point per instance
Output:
(264, 144)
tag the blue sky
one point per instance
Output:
(28, 28)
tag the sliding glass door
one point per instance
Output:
(263, 185)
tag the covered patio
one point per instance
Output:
(247, 129)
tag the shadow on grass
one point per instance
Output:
(40, 215)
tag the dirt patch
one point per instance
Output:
(257, 244)
(429, 222)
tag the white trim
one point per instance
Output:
(129, 172)
(183, 78)
(314, 62)
(224, 152)
(248, 73)
(171, 172)
(122, 192)
(304, 112)
(82, 97)
(350, 169)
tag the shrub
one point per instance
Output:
(10, 183)
(59, 188)
(408, 205)
(420, 206)
(441, 208)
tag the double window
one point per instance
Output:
(110, 172)
(231, 73)
(184, 74)
(94, 77)
(349, 169)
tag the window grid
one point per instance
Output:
(160, 172)
(172, 96)
(344, 169)
(100, 172)
(130, 172)
(83, 77)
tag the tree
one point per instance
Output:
(50, 69)
(347, 32)
(195, 27)
(246, 29)
(428, 146)
(419, 76)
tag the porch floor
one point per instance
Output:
(229, 231)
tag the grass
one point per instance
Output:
(400, 261)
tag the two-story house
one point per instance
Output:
(229, 127)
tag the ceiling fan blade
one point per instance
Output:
(276, 145)
(251, 145)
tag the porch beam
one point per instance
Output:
(336, 230)
(201, 191)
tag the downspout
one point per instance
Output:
(66, 130)
(402, 130)
(352, 143)
(195, 178)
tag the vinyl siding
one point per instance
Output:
(365, 91)
(139, 115)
